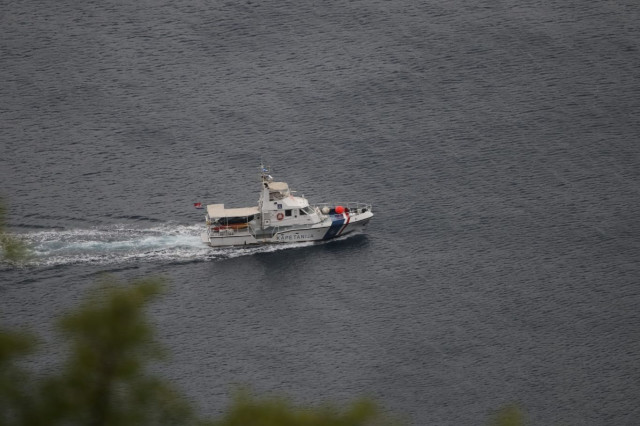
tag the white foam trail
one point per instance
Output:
(122, 244)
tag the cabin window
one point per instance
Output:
(302, 212)
(287, 213)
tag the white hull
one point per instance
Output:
(328, 229)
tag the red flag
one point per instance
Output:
(197, 205)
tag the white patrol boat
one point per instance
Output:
(281, 217)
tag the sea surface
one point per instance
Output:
(499, 143)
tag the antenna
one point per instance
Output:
(264, 172)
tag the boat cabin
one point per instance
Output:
(277, 190)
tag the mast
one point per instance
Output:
(265, 178)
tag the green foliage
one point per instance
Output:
(16, 400)
(248, 410)
(13, 250)
(510, 415)
(104, 381)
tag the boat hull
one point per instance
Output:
(335, 226)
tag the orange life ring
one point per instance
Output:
(280, 216)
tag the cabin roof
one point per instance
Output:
(278, 186)
(218, 211)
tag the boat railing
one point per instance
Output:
(349, 207)
(224, 231)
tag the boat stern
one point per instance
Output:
(204, 237)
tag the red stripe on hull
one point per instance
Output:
(345, 224)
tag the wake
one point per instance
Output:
(126, 244)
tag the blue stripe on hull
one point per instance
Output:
(336, 224)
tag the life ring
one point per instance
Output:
(280, 216)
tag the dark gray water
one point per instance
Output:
(497, 141)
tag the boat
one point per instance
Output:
(281, 217)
